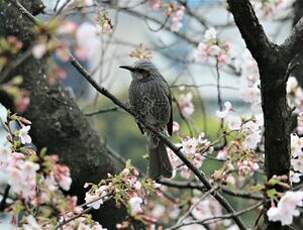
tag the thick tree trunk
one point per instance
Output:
(276, 120)
(58, 124)
(273, 61)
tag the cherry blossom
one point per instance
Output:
(67, 27)
(176, 13)
(62, 175)
(247, 167)
(186, 105)
(3, 114)
(22, 175)
(23, 134)
(176, 127)
(155, 4)
(93, 200)
(39, 50)
(206, 208)
(212, 47)
(295, 177)
(286, 208)
(222, 154)
(300, 123)
(135, 205)
(227, 109)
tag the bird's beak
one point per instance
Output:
(130, 68)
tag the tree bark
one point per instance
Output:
(58, 124)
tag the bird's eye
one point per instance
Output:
(144, 73)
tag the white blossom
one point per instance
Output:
(23, 134)
(135, 204)
(286, 208)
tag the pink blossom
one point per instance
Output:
(155, 4)
(286, 208)
(214, 48)
(176, 127)
(189, 145)
(206, 208)
(62, 176)
(247, 167)
(176, 18)
(135, 205)
(67, 27)
(22, 177)
(186, 105)
(222, 154)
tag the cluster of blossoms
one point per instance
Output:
(126, 189)
(286, 209)
(141, 52)
(36, 181)
(206, 208)
(213, 48)
(239, 153)
(176, 13)
(294, 94)
(195, 150)
(250, 130)
(83, 40)
(105, 23)
(251, 88)
(296, 157)
(295, 100)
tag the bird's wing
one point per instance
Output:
(168, 94)
(170, 122)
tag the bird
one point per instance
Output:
(150, 97)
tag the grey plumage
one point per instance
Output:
(150, 98)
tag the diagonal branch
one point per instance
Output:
(250, 28)
(201, 176)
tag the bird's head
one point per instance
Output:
(142, 69)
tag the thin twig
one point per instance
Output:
(102, 111)
(64, 222)
(186, 214)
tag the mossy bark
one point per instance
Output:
(58, 124)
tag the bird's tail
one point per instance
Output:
(159, 164)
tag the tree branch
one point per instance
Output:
(250, 28)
